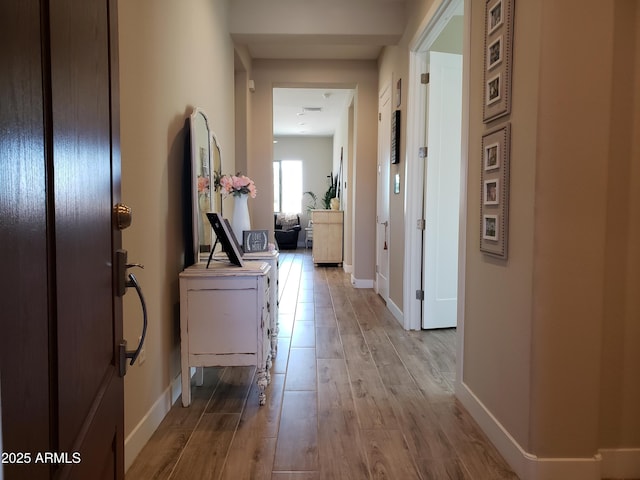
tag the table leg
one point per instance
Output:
(186, 384)
(262, 385)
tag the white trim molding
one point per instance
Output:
(526, 465)
(142, 432)
(620, 462)
(361, 282)
(414, 175)
(395, 311)
(430, 28)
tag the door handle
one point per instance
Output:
(122, 215)
(123, 283)
(133, 354)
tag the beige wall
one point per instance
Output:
(316, 156)
(173, 56)
(543, 312)
(570, 226)
(558, 314)
(393, 66)
(341, 149)
(450, 39)
(620, 388)
(361, 75)
(342, 145)
(549, 333)
(498, 375)
(498, 294)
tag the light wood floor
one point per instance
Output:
(352, 396)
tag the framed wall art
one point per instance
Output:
(494, 187)
(498, 49)
(395, 137)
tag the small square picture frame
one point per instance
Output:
(491, 156)
(495, 16)
(491, 191)
(494, 89)
(494, 53)
(490, 227)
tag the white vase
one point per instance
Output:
(240, 220)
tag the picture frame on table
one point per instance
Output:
(225, 235)
(255, 241)
(498, 54)
(494, 188)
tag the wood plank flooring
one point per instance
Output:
(353, 396)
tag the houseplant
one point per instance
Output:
(331, 192)
(313, 202)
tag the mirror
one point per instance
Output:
(205, 160)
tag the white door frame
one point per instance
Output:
(431, 26)
(442, 191)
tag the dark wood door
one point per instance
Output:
(62, 397)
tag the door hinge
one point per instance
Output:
(421, 224)
(422, 152)
(377, 268)
(420, 295)
(424, 78)
(379, 117)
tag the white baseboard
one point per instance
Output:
(396, 312)
(347, 268)
(526, 465)
(620, 462)
(564, 468)
(142, 432)
(361, 283)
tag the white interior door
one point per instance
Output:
(382, 207)
(442, 191)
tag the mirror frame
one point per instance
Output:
(203, 165)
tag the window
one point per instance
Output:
(287, 186)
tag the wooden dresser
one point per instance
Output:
(327, 236)
(225, 319)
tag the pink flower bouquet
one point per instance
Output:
(236, 185)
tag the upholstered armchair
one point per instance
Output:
(286, 230)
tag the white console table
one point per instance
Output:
(272, 258)
(225, 315)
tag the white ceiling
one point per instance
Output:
(312, 29)
(291, 119)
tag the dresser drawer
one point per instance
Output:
(222, 321)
